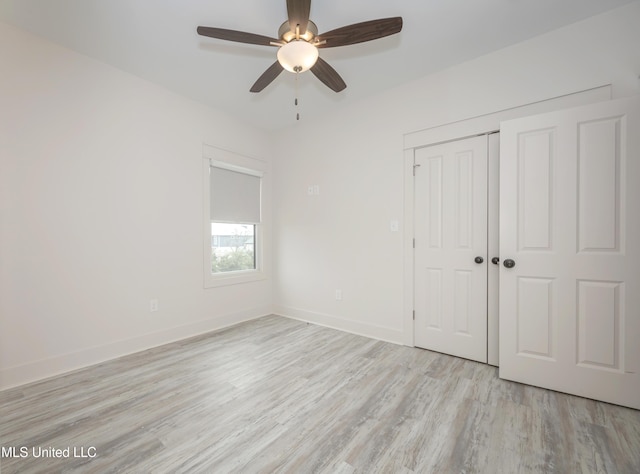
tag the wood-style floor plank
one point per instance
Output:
(277, 395)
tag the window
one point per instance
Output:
(233, 247)
(232, 220)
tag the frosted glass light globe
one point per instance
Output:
(297, 56)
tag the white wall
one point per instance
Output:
(101, 210)
(341, 238)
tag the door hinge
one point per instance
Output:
(414, 168)
(414, 314)
(414, 243)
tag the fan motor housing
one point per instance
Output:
(285, 33)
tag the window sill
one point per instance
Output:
(233, 278)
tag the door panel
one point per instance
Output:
(535, 162)
(598, 313)
(535, 334)
(450, 231)
(568, 321)
(599, 193)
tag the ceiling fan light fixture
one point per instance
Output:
(298, 43)
(297, 56)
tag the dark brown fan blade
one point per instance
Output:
(267, 77)
(237, 36)
(328, 75)
(360, 32)
(298, 11)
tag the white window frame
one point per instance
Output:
(220, 158)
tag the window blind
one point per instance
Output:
(234, 196)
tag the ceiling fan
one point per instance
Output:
(298, 42)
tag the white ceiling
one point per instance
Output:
(157, 40)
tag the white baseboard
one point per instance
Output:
(42, 369)
(347, 325)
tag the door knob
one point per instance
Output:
(509, 263)
(479, 259)
(495, 260)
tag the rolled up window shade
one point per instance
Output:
(234, 196)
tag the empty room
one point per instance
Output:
(320, 237)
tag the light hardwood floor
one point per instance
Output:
(277, 395)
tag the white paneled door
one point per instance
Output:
(451, 248)
(570, 251)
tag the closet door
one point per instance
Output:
(570, 251)
(451, 248)
(493, 232)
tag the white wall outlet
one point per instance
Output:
(310, 190)
(153, 305)
(394, 226)
(316, 190)
(338, 295)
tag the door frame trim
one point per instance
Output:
(459, 130)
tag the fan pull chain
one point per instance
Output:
(296, 101)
